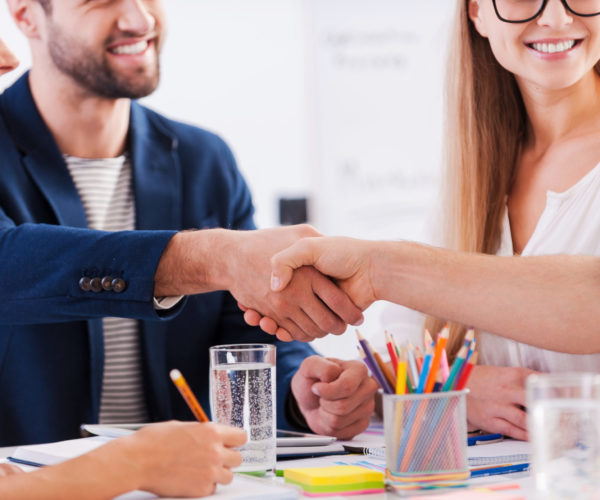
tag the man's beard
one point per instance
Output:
(94, 73)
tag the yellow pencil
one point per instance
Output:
(188, 396)
(401, 375)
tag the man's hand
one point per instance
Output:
(239, 261)
(497, 400)
(336, 397)
(345, 259)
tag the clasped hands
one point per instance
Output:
(318, 285)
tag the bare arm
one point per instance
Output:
(168, 459)
(218, 259)
(546, 301)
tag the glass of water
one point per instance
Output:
(242, 394)
(563, 413)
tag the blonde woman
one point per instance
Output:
(523, 179)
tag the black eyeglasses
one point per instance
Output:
(522, 11)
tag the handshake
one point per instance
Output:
(290, 281)
(295, 284)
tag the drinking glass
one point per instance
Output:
(563, 418)
(242, 394)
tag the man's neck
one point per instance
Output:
(82, 124)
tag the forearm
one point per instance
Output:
(195, 262)
(546, 301)
(98, 475)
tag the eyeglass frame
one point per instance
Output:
(543, 6)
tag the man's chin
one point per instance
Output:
(134, 87)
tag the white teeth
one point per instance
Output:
(135, 48)
(551, 48)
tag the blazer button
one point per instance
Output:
(96, 285)
(107, 283)
(118, 285)
(85, 283)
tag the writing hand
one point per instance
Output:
(336, 397)
(496, 400)
(193, 457)
(9, 470)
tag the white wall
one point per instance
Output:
(336, 99)
(236, 67)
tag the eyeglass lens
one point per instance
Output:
(521, 10)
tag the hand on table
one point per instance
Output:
(496, 400)
(344, 259)
(336, 397)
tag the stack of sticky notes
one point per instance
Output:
(336, 480)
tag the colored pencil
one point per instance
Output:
(456, 366)
(472, 348)
(427, 339)
(395, 345)
(469, 337)
(412, 363)
(444, 367)
(470, 343)
(435, 363)
(401, 376)
(385, 370)
(188, 396)
(374, 369)
(464, 378)
(391, 350)
(419, 358)
(437, 387)
(424, 373)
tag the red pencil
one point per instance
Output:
(390, 347)
(464, 378)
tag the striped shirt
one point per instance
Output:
(105, 189)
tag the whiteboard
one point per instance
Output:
(378, 73)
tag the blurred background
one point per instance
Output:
(333, 108)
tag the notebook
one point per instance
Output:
(242, 486)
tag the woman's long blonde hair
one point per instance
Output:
(486, 123)
(486, 127)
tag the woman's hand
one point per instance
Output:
(186, 458)
(9, 470)
(497, 400)
(346, 260)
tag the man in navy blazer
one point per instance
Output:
(59, 278)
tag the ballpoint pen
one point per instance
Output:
(484, 439)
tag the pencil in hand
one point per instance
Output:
(188, 395)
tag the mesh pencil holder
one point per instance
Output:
(426, 440)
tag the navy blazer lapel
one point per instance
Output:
(156, 172)
(157, 181)
(45, 163)
(41, 156)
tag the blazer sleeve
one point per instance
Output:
(42, 266)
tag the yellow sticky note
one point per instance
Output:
(335, 475)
